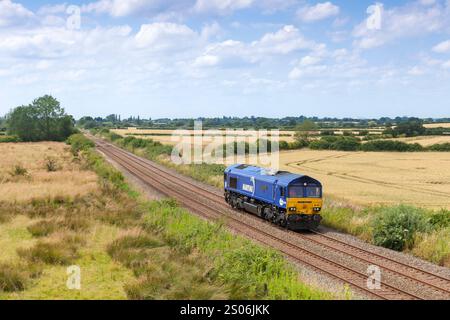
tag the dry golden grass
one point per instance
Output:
(421, 178)
(68, 181)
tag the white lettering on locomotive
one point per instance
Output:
(247, 187)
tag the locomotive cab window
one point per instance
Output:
(233, 183)
(305, 192)
(282, 192)
(312, 192)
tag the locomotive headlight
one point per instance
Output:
(292, 209)
(317, 209)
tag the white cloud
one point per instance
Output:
(416, 71)
(211, 30)
(309, 61)
(314, 70)
(221, 6)
(52, 9)
(427, 2)
(61, 43)
(13, 13)
(206, 61)
(295, 73)
(164, 35)
(122, 8)
(317, 12)
(442, 47)
(446, 64)
(170, 10)
(284, 41)
(410, 20)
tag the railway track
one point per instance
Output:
(212, 206)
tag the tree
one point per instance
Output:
(410, 128)
(111, 118)
(88, 123)
(44, 119)
(2, 124)
(303, 130)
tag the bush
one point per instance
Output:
(51, 165)
(390, 145)
(445, 147)
(79, 142)
(19, 171)
(342, 143)
(440, 219)
(327, 133)
(283, 145)
(346, 144)
(363, 132)
(319, 145)
(42, 228)
(395, 227)
(50, 253)
(9, 139)
(12, 278)
(298, 144)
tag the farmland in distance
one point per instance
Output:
(364, 178)
(419, 178)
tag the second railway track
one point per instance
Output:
(211, 205)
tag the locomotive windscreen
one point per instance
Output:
(304, 192)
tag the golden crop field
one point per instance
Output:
(35, 181)
(437, 125)
(426, 141)
(417, 178)
(164, 136)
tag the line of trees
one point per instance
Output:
(289, 123)
(42, 120)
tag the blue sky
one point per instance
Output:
(191, 58)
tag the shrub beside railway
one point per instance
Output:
(424, 233)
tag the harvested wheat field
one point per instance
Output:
(40, 171)
(437, 125)
(421, 179)
(426, 141)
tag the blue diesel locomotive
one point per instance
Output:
(289, 200)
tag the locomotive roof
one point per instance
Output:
(283, 177)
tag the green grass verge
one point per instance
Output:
(249, 270)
